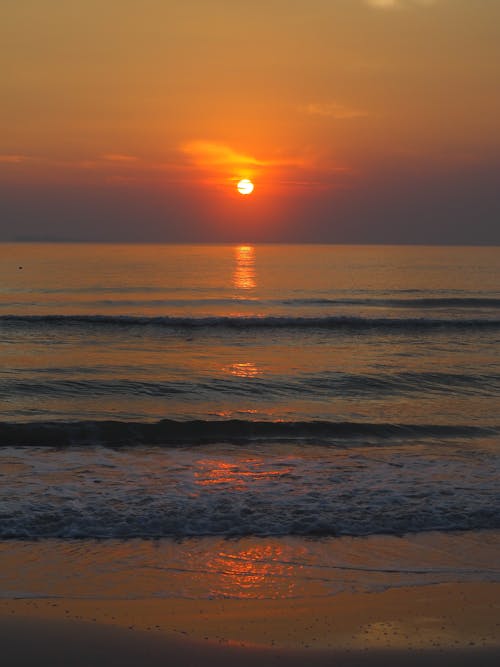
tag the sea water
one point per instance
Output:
(289, 399)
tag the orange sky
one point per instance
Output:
(150, 112)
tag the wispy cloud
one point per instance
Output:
(383, 4)
(118, 157)
(13, 159)
(108, 161)
(334, 110)
(207, 162)
(208, 153)
(395, 4)
(220, 164)
(220, 156)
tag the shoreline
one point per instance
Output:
(207, 568)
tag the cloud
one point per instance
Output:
(220, 164)
(383, 4)
(395, 4)
(209, 154)
(334, 110)
(118, 157)
(204, 162)
(13, 159)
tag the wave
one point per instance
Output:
(418, 302)
(258, 322)
(150, 492)
(198, 432)
(135, 516)
(52, 383)
(226, 296)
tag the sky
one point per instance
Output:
(358, 121)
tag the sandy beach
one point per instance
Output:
(449, 624)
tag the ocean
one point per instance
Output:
(243, 418)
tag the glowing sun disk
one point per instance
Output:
(245, 186)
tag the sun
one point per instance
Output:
(245, 186)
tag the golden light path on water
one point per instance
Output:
(246, 369)
(244, 272)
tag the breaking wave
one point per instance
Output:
(169, 432)
(256, 322)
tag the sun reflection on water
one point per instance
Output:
(236, 474)
(244, 271)
(246, 369)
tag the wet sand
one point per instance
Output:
(448, 624)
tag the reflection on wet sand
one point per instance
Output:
(244, 271)
(245, 573)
